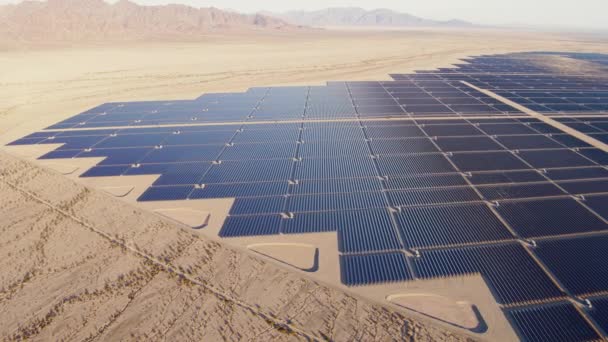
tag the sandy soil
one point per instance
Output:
(127, 274)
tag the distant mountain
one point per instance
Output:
(98, 20)
(353, 16)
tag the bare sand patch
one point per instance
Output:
(197, 219)
(301, 256)
(459, 313)
(118, 191)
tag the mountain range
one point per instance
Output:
(354, 16)
(98, 20)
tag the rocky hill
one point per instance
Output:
(98, 20)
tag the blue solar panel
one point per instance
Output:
(553, 322)
(413, 164)
(513, 276)
(511, 191)
(487, 161)
(249, 171)
(450, 225)
(344, 201)
(58, 154)
(354, 148)
(241, 190)
(402, 146)
(166, 193)
(505, 129)
(404, 198)
(370, 269)
(599, 312)
(549, 217)
(251, 226)
(181, 154)
(585, 187)
(393, 131)
(347, 185)
(554, 159)
(424, 181)
(258, 205)
(451, 130)
(518, 142)
(468, 144)
(117, 156)
(509, 177)
(335, 168)
(578, 263)
(596, 155)
(180, 174)
(105, 171)
(260, 151)
(577, 173)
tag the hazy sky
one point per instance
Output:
(554, 13)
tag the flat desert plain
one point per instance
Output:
(78, 264)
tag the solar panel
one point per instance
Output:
(251, 226)
(348, 185)
(450, 225)
(166, 193)
(509, 177)
(554, 158)
(404, 198)
(358, 230)
(487, 161)
(355, 148)
(534, 142)
(549, 217)
(344, 201)
(511, 273)
(369, 269)
(402, 146)
(180, 154)
(596, 155)
(511, 191)
(396, 131)
(413, 164)
(451, 130)
(240, 190)
(249, 171)
(504, 129)
(424, 181)
(577, 173)
(468, 144)
(599, 312)
(335, 168)
(554, 322)
(179, 174)
(585, 187)
(578, 263)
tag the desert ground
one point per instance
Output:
(112, 271)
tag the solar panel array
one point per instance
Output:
(423, 177)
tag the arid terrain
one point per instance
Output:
(78, 264)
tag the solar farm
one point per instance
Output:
(495, 168)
